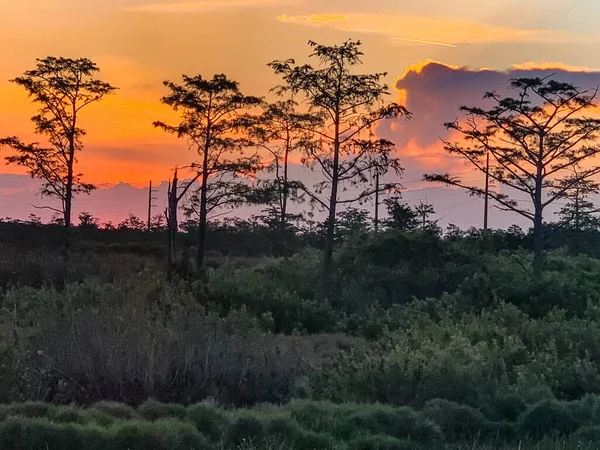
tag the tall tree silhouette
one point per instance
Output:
(533, 138)
(344, 147)
(282, 131)
(211, 112)
(62, 87)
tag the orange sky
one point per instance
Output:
(140, 43)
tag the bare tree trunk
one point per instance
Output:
(376, 222)
(487, 191)
(67, 216)
(172, 226)
(329, 237)
(538, 226)
(149, 221)
(202, 222)
(577, 223)
(284, 200)
(538, 244)
(328, 259)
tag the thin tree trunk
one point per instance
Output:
(284, 200)
(538, 227)
(538, 244)
(202, 221)
(67, 216)
(169, 248)
(201, 241)
(204, 194)
(328, 259)
(577, 223)
(69, 197)
(487, 190)
(376, 223)
(172, 226)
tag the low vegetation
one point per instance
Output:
(297, 425)
(429, 342)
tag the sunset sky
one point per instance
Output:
(433, 51)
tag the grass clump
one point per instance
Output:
(457, 422)
(31, 409)
(246, 429)
(69, 414)
(382, 442)
(209, 420)
(116, 410)
(154, 410)
(164, 434)
(22, 433)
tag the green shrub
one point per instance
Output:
(381, 442)
(457, 422)
(4, 412)
(590, 433)
(93, 415)
(586, 411)
(309, 440)
(160, 435)
(209, 420)
(284, 427)
(134, 435)
(373, 419)
(500, 431)
(31, 409)
(69, 414)
(154, 410)
(116, 410)
(507, 407)
(174, 435)
(20, 433)
(402, 423)
(318, 416)
(548, 417)
(246, 429)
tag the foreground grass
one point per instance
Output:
(300, 425)
(545, 444)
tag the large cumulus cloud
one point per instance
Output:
(434, 91)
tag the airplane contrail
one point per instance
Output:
(419, 41)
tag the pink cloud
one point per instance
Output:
(434, 91)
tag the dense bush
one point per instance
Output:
(548, 417)
(461, 422)
(481, 359)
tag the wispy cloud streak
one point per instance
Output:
(420, 41)
(435, 31)
(203, 6)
